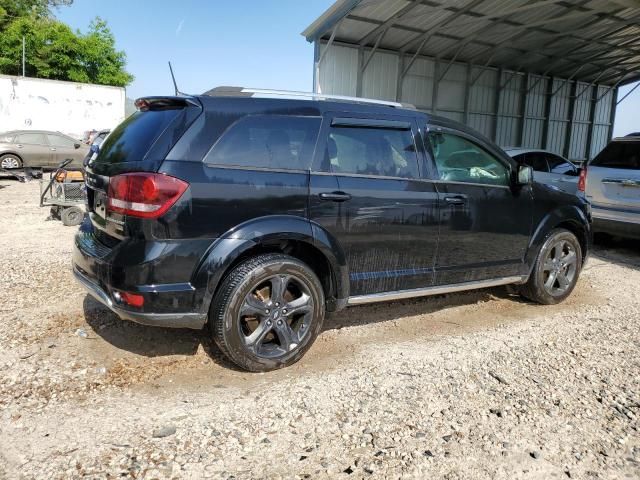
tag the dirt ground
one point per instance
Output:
(473, 385)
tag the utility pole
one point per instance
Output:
(23, 57)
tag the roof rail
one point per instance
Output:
(267, 93)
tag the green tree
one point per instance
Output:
(55, 51)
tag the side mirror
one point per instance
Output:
(525, 175)
(76, 145)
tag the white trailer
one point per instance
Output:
(67, 107)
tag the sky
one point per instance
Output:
(252, 43)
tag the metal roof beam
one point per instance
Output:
(389, 23)
(439, 28)
(436, 32)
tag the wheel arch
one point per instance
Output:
(15, 154)
(291, 235)
(569, 217)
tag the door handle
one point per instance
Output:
(457, 200)
(335, 196)
(625, 182)
(52, 149)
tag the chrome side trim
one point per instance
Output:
(437, 290)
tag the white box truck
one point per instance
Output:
(67, 107)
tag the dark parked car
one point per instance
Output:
(37, 148)
(256, 212)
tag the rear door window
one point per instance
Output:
(372, 151)
(537, 161)
(624, 155)
(32, 139)
(560, 165)
(134, 137)
(60, 141)
(267, 141)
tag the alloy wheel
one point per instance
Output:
(560, 268)
(276, 315)
(10, 162)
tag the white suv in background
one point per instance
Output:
(611, 183)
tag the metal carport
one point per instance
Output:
(540, 74)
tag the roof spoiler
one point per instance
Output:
(165, 103)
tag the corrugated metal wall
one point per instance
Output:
(511, 108)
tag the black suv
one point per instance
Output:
(257, 212)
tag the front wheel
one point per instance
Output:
(10, 161)
(556, 270)
(267, 312)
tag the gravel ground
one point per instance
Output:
(474, 385)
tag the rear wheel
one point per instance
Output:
(557, 268)
(267, 312)
(10, 161)
(72, 216)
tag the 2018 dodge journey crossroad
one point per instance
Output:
(256, 212)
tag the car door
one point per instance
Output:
(564, 174)
(367, 190)
(613, 181)
(34, 149)
(485, 221)
(64, 147)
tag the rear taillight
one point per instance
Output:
(145, 195)
(582, 180)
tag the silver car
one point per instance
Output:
(38, 148)
(550, 168)
(612, 185)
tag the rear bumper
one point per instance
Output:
(172, 320)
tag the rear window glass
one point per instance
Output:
(267, 141)
(624, 155)
(132, 139)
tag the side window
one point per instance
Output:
(268, 141)
(560, 165)
(31, 139)
(460, 160)
(625, 155)
(59, 141)
(537, 161)
(371, 151)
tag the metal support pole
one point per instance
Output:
(497, 106)
(400, 77)
(359, 72)
(467, 95)
(572, 109)
(612, 115)
(23, 57)
(434, 93)
(523, 108)
(628, 93)
(547, 114)
(593, 105)
(316, 67)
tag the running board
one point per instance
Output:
(437, 290)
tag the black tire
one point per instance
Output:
(72, 216)
(557, 268)
(15, 160)
(280, 338)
